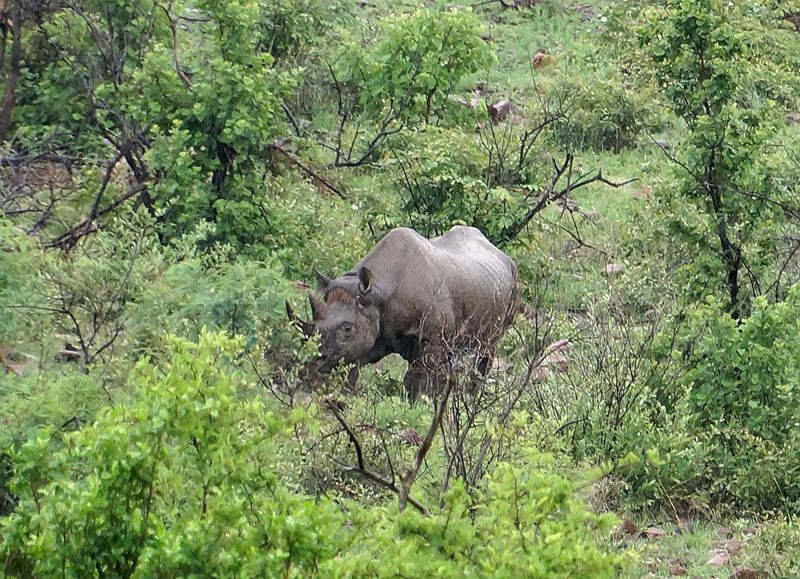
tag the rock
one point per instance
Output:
(535, 317)
(540, 374)
(718, 560)
(554, 358)
(587, 12)
(499, 110)
(627, 527)
(541, 59)
(745, 573)
(653, 533)
(723, 533)
(467, 104)
(613, 269)
(562, 345)
(557, 362)
(683, 526)
(663, 144)
(733, 546)
(411, 436)
(459, 101)
(590, 215)
(793, 118)
(678, 570)
(794, 20)
(566, 204)
(642, 192)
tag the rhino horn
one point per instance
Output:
(305, 326)
(323, 281)
(318, 307)
(290, 312)
(365, 277)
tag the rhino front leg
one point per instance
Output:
(484, 363)
(415, 381)
(482, 366)
(352, 379)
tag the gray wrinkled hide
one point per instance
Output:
(427, 300)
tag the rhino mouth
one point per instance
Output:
(325, 364)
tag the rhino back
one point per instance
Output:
(457, 283)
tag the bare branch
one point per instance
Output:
(367, 473)
(549, 194)
(319, 181)
(182, 75)
(411, 475)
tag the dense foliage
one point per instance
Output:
(173, 172)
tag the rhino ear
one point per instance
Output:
(365, 277)
(323, 281)
(318, 308)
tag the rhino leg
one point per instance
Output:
(482, 366)
(415, 381)
(484, 363)
(352, 379)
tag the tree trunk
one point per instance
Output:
(10, 92)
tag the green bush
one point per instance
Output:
(416, 63)
(183, 481)
(441, 181)
(179, 482)
(17, 268)
(527, 523)
(243, 297)
(726, 433)
(605, 114)
(777, 544)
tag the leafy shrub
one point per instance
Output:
(742, 392)
(727, 431)
(158, 486)
(778, 545)
(528, 523)
(182, 481)
(16, 269)
(416, 63)
(243, 297)
(698, 59)
(606, 114)
(289, 28)
(441, 180)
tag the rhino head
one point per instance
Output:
(347, 320)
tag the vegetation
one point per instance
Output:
(173, 172)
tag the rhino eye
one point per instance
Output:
(347, 329)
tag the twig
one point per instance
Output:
(319, 181)
(182, 75)
(549, 194)
(410, 476)
(360, 467)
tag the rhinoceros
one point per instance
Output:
(426, 300)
